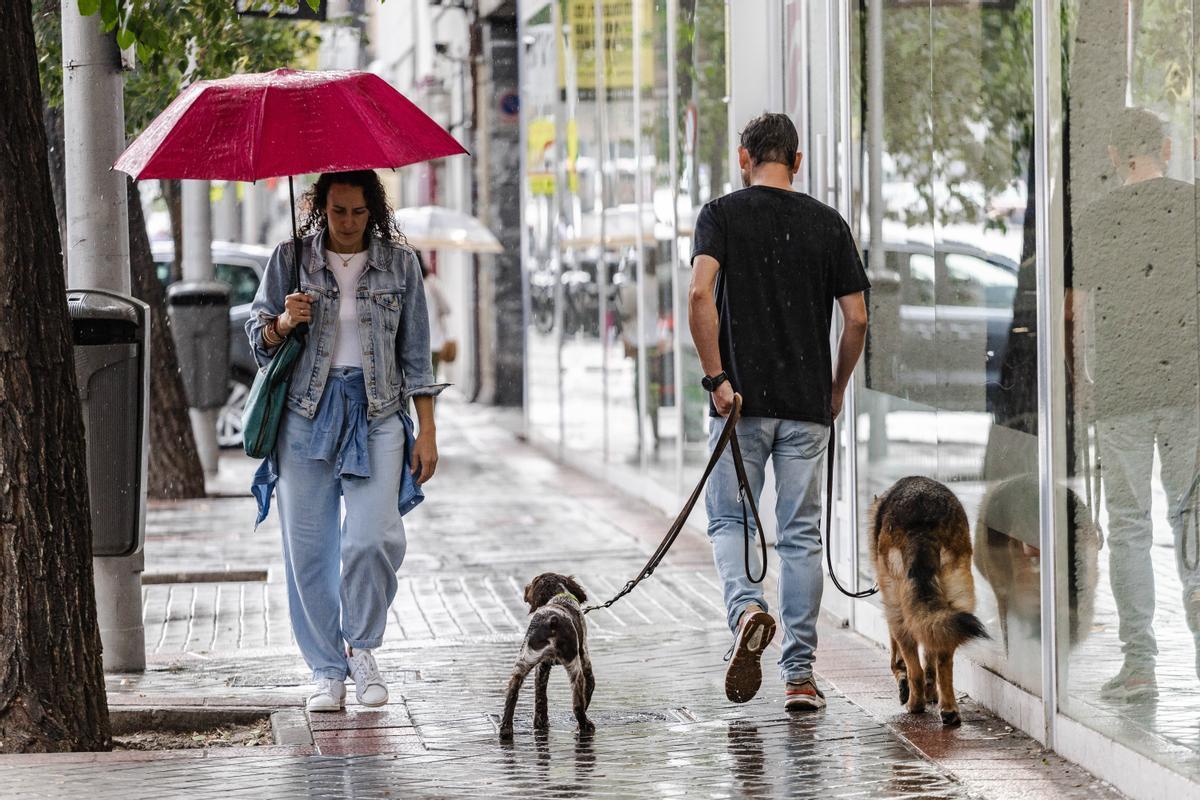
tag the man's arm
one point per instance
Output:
(850, 345)
(705, 325)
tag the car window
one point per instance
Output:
(918, 285)
(971, 281)
(242, 281)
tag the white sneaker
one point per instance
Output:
(369, 686)
(329, 695)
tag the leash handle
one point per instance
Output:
(829, 451)
(728, 439)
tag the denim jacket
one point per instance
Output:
(391, 306)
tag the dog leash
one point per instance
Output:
(829, 451)
(745, 497)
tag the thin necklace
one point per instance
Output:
(345, 261)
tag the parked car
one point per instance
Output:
(940, 323)
(241, 266)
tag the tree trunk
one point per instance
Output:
(55, 151)
(175, 469)
(51, 676)
(172, 192)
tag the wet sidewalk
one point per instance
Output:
(498, 513)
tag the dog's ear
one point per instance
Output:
(539, 591)
(529, 595)
(574, 588)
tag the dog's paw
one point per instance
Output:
(916, 705)
(951, 718)
(903, 691)
(541, 723)
(506, 733)
(586, 728)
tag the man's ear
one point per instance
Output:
(744, 158)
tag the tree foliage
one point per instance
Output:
(177, 42)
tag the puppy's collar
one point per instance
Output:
(566, 594)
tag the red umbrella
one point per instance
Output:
(285, 122)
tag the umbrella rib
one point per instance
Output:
(262, 114)
(341, 87)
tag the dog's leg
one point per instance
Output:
(929, 664)
(899, 670)
(579, 697)
(916, 675)
(520, 670)
(947, 702)
(589, 680)
(541, 716)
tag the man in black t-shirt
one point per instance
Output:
(768, 263)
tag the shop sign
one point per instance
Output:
(578, 47)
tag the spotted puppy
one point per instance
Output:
(557, 634)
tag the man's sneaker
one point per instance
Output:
(1134, 683)
(743, 676)
(369, 686)
(329, 695)
(803, 696)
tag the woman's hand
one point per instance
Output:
(424, 455)
(297, 309)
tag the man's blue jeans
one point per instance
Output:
(795, 449)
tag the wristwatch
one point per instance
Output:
(711, 384)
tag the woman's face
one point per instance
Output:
(346, 208)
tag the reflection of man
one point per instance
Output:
(768, 263)
(1135, 264)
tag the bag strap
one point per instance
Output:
(745, 496)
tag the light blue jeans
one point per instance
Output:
(341, 572)
(795, 449)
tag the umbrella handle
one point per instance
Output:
(301, 329)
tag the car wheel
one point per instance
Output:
(229, 418)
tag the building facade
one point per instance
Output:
(1020, 176)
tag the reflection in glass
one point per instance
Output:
(948, 386)
(1132, 349)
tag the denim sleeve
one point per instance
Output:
(268, 300)
(412, 345)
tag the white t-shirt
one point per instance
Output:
(438, 309)
(347, 348)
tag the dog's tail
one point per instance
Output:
(937, 623)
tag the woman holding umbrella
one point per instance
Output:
(346, 434)
(350, 293)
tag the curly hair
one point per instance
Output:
(381, 222)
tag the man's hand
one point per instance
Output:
(723, 399)
(424, 456)
(836, 397)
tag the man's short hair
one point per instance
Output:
(1137, 132)
(771, 139)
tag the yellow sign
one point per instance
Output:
(541, 164)
(577, 47)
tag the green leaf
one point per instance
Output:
(125, 38)
(315, 5)
(109, 13)
(88, 7)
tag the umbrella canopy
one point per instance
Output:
(285, 122)
(439, 228)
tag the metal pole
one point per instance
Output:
(1048, 230)
(639, 199)
(97, 249)
(677, 309)
(197, 265)
(601, 102)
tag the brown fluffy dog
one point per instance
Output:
(921, 546)
(557, 634)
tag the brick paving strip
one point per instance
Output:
(498, 513)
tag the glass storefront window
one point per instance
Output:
(1129, 601)
(948, 386)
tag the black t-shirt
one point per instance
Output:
(784, 258)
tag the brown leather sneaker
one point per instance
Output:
(743, 676)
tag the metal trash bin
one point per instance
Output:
(199, 312)
(110, 332)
